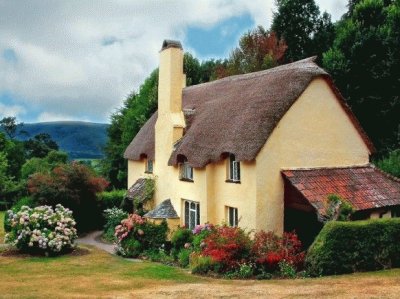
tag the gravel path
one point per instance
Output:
(94, 238)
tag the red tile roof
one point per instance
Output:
(365, 187)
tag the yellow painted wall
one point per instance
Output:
(136, 170)
(315, 132)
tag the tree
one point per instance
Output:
(74, 186)
(258, 49)
(305, 32)
(10, 126)
(365, 64)
(40, 145)
(43, 165)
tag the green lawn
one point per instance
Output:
(101, 275)
(2, 227)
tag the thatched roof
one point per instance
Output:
(144, 142)
(236, 114)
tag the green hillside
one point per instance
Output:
(81, 140)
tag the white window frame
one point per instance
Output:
(191, 212)
(186, 171)
(233, 169)
(232, 216)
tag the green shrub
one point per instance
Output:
(201, 264)
(338, 208)
(112, 198)
(184, 257)
(287, 270)
(391, 163)
(245, 270)
(179, 238)
(113, 217)
(345, 247)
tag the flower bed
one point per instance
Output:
(42, 230)
(135, 235)
(231, 252)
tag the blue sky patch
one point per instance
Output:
(10, 55)
(219, 40)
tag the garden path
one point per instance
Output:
(94, 238)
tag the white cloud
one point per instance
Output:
(47, 117)
(11, 110)
(80, 59)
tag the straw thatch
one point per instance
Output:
(234, 115)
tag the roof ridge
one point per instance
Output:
(327, 167)
(253, 75)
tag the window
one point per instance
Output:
(149, 166)
(233, 216)
(192, 214)
(186, 171)
(233, 170)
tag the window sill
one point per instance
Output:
(232, 181)
(186, 180)
(148, 172)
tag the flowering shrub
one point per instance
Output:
(200, 232)
(113, 217)
(136, 235)
(41, 229)
(227, 246)
(269, 250)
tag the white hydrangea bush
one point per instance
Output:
(42, 229)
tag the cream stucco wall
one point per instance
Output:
(315, 132)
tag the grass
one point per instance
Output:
(2, 227)
(100, 275)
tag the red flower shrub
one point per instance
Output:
(269, 250)
(227, 247)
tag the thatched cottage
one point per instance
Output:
(261, 150)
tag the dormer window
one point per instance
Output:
(233, 170)
(186, 171)
(149, 166)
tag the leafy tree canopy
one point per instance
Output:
(365, 64)
(258, 49)
(305, 31)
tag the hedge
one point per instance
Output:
(111, 199)
(346, 247)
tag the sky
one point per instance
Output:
(79, 59)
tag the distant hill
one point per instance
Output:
(81, 140)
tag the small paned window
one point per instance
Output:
(233, 216)
(149, 166)
(234, 169)
(186, 171)
(192, 214)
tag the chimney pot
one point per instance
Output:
(171, 44)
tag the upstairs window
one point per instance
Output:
(186, 171)
(233, 170)
(192, 214)
(149, 166)
(232, 216)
